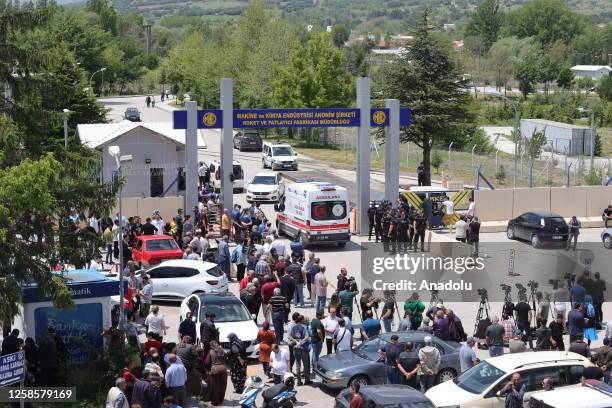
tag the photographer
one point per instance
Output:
(599, 287)
(574, 230)
(523, 315)
(341, 279)
(514, 392)
(367, 302)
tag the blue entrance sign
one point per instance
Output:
(290, 118)
(207, 119)
(12, 368)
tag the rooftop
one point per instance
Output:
(99, 134)
(555, 124)
(590, 67)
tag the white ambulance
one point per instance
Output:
(315, 212)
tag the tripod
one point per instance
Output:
(483, 312)
(532, 299)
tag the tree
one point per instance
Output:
(427, 79)
(604, 88)
(340, 35)
(486, 23)
(535, 144)
(548, 21)
(527, 74)
(565, 78)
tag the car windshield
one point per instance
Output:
(369, 349)
(554, 222)
(226, 312)
(215, 271)
(267, 180)
(253, 137)
(161, 244)
(478, 378)
(132, 110)
(282, 151)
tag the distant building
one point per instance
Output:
(378, 57)
(329, 29)
(595, 72)
(400, 41)
(449, 27)
(563, 138)
(158, 155)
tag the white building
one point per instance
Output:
(595, 72)
(158, 155)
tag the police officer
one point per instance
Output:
(386, 225)
(378, 218)
(420, 225)
(372, 221)
(402, 231)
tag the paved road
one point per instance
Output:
(332, 257)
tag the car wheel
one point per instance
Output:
(362, 380)
(510, 232)
(535, 241)
(446, 374)
(607, 241)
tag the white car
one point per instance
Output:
(480, 386)
(606, 238)
(265, 187)
(278, 156)
(594, 394)
(232, 316)
(176, 279)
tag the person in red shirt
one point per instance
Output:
(128, 302)
(151, 342)
(267, 290)
(357, 400)
(245, 281)
(127, 373)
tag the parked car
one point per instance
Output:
(132, 114)
(594, 394)
(539, 227)
(480, 386)
(364, 365)
(150, 250)
(386, 396)
(176, 279)
(247, 140)
(231, 314)
(237, 176)
(606, 237)
(265, 187)
(278, 156)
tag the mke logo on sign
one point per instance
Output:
(379, 117)
(209, 119)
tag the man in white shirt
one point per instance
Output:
(471, 212)
(449, 211)
(147, 295)
(265, 250)
(342, 337)
(116, 397)
(330, 324)
(96, 263)
(94, 224)
(461, 229)
(158, 223)
(279, 361)
(278, 245)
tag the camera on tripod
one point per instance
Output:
(352, 284)
(554, 282)
(483, 294)
(522, 291)
(570, 278)
(505, 288)
(533, 285)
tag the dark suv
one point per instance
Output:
(539, 228)
(247, 140)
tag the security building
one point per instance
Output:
(595, 72)
(158, 155)
(563, 138)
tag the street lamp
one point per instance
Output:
(115, 152)
(67, 113)
(92, 75)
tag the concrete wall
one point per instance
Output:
(144, 144)
(504, 204)
(561, 139)
(144, 207)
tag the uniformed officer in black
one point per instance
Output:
(378, 218)
(372, 221)
(420, 225)
(386, 226)
(402, 232)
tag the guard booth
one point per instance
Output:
(79, 327)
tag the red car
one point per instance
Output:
(152, 249)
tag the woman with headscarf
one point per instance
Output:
(237, 362)
(266, 338)
(217, 373)
(188, 354)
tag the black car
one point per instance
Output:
(396, 396)
(540, 228)
(247, 140)
(132, 114)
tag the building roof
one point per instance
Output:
(591, 68)
(394, 51)
(555, 124)
(99, 134)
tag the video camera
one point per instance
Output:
(533, 285)
(483, 294)
(570, 278)
(554, 282)
(505, 288)
(353, 284)
(522, 291)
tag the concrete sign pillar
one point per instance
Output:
(392, 146)
(191, 157)
(227, 148)
(363, 155)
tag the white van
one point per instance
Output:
(315, 212)
(278, 156)
(237, 176)
(593, 394)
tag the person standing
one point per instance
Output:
(474, 235)
(421, 174)
(409, 365)
(461, 228)
(320, 289)
(266, 338)
(467, 356)
(578, 346)
(10, 343)
(146, 295)
(311, 268)
(388, 311)
(298, 275)
(224, 256)
(449, 213)
(419, 226)
(330, 324)
(494, 335)
(217, 373)
(556, 333)
(430, 359)
(575, 322)
(48, 361)
(599, 287)
(155, 323)
(208, 331)
(239, 258)
(279, 307)
(342, 337)
(390, 352)
(471, 211)
(175, 379)
(317, 337)
(416, 308)
(574, 230)
(280, 363)
(187, 327)
(370, 326)
(523, 314)
(371, 220)
(514, 392)
(116, 397)
(237, 362)
(347, 297)
(107, 238)
(543, 336)
(298, 336)
(226, 223)
(148, 101)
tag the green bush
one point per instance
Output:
(436, 160)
